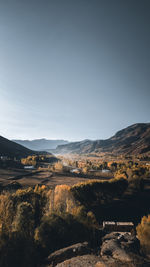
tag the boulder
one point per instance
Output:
(83, 261)
(112, 235)
(67, 253)
(113, 249)
(108, 247)
(120, 246)
(130, 243)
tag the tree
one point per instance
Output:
(24, 219)
(143, 232)
(97, 192)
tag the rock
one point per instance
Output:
(130, 244)
(125, 241)
(108, 247)
(82, 261)
(119, 246)
(67, 253)
(112, 248)
(121, 255)
(113, 235)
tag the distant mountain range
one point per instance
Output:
(11, 149)
(41, 144)
(134, 139)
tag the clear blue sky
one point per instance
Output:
(73, 69)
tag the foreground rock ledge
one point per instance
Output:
(117, 250)
(83, 261)
(67, 253)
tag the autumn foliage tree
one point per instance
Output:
(143, 232)
(24, 219)
(98, 192)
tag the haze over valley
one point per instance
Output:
(41, 144)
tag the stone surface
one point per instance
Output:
(119, 246)
(117, 250)
(82, 261)
(67, 253)
(113, 235)
(113, 249)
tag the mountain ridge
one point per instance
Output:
(134, 139)
(40, 144)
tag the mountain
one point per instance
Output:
(11, 149)
(41, 144)
(134, 139)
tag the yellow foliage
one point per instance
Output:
(78, 211)
(6, 211)
(20, 192)
(50, 203)
(61, 198)
(58, 166)
(30, 160)
(39, 189)
(109, 164)
(143, 232)
(85, 170)
(90, 182)
(120, 175)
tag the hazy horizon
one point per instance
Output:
(73, 70)
(71, 140)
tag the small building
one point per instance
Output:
(105, 171)
(76, 171)
(30, 167)
(4, 158)
(118, 226)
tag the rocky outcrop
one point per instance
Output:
(112, 248)
(117, 250)
(67, 253)
(83, 261)
(120, 246)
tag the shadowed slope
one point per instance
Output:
(11, 149)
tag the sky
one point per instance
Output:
(73, 69)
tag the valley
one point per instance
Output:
(62, 199)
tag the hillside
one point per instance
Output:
(134, 139)
(11, 149)
(41, 144)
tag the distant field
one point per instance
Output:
(6, 174)
(31, 178)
